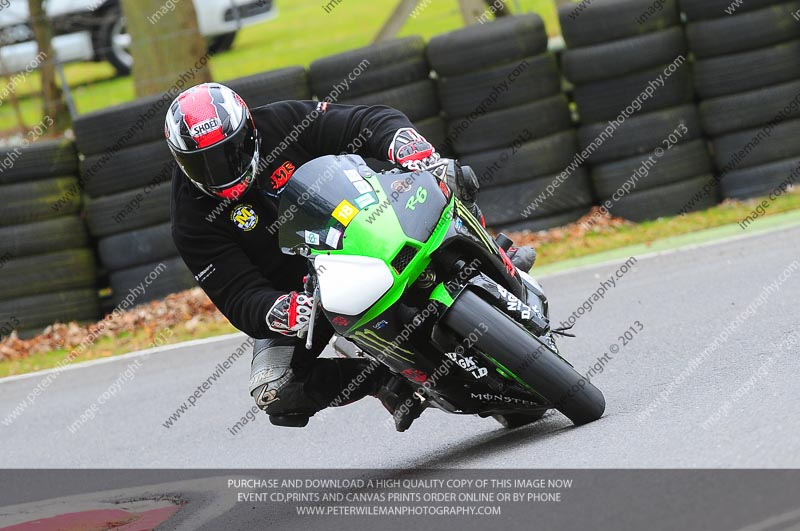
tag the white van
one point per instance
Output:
(94, 30)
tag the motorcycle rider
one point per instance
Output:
(233, 163)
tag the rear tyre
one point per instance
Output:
(515, 420)
(526, 357)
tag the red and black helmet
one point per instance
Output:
(213, 137)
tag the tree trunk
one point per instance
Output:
(500, 6)
(12, 97)
(472, 10)
(53, 104)
(165, 44)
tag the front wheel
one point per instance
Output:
(514, 350)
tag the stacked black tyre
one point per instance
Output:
(290, 83)
(126, 175)
(646, 152)
(394, 73)
(126, 179)
(747, 72)
(47, 268)
(500, 92)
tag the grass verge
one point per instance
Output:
(301, 33)
(107, 347)
(732, 212)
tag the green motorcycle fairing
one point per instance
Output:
(338, 206)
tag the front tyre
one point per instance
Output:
(513, 347)
(515, 420)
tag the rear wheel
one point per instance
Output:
(526, 357)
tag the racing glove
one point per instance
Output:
(410, 150)
(290, 314)
(463, 180)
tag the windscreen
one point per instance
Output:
(321, 199)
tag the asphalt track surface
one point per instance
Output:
(683, 300)
(708, 382)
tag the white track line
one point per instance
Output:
(123, 357)
(665, 252)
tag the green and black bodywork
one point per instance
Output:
(431, 294)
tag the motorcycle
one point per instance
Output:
(402, 270)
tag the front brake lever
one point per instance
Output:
(315, 301)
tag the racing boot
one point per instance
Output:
(399, 399)
(523, 258)
(275, 388)
(291, 390)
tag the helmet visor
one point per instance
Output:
(224, 165)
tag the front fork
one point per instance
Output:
(531, 316)
(532, 313)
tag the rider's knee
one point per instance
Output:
(274, 385)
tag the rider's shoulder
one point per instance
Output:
(284, 107)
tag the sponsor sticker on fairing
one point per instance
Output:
(365, 200)
(362, 186)
(333, 237)
(353, 175)
(312, 238)
(344, 212)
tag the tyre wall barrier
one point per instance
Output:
(507, 117)
(633, 91)
(394, 73)
(747, 75)
(47, 265)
